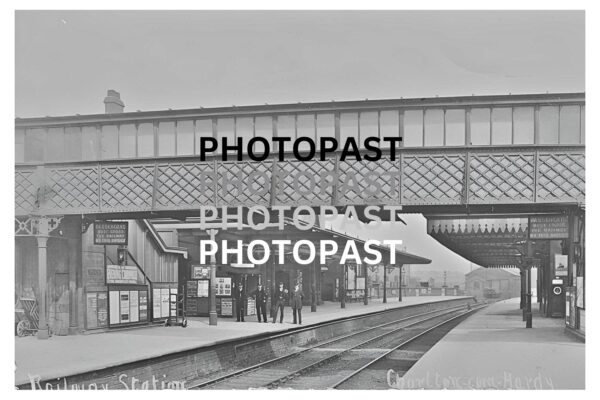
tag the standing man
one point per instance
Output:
(240, 298)
(279, 302)
(260, 296)
(297, 297)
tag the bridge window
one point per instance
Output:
(166, 139)
(55, 147)
(19, 146)
(204, 128)
(145, 140)
(502, 126)
(570, 129)
(434, 127)
(480, 126)
(35, 142)
(325, 125)
(305, 127)
(225, 128)
(73, 143)
(548, 125)
(413, 128)
(89, 143)
(286, 126)
(369, 126)
(244, 129)
(185, 138)
(263, 127)
(523, 125)
(455, 127)
(109, 142)
(389, 124)
(348, 127)
(127, 141)
(582, 124)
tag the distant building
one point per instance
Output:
(493, 283)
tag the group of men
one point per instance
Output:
(279, 299)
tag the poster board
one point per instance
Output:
(134, 306)
(561, 262)
(203, 287)
(227, 307)
(579, 282)
(200, 272)
(92, 310)
(143, 301)
(360, 283)
(223, 287)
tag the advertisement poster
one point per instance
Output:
(580, 292)
(164, 303)
(203, 288)
(561, 265)
(223, 287)
(92, 310)
(200, 272)
(143, 300)
(102, 310)
(156, 302)
(134, 311)
(114, 307)
(124, 295)
(227, 307)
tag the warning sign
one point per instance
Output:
(110, 232)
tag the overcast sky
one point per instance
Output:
(65, 62)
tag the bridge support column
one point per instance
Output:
(212, 306)
(42, 242)
(342, 285)
(313, 287)
(400, 282)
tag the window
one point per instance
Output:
(582, 124)
(325, 125)
(502, 126)
(570, 121)
(109, 142)
(369, 126)
(523, 125)
(204, 128)
(185, 138)
(455, 127)
(244, 129)
(35, 142)
(127, 145)
(166, 139)
(286, 127)
(389, 124)
(480, 126)
(89, 143)
(413, 128)
(19, 145)
(348, 127)
(73, 143)
(548, 125)
(55, 148)
(305, 128)
(263, 127)
(145, 140)
(434, 127)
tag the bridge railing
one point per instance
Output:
(460, 175)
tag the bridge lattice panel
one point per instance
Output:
(433, 178)
(561, 177)
(501, 177)
(73, 189)
(251, 187)
(304, 183)
(25, 191)
(127, 187)
(369, 182)
(184, 185)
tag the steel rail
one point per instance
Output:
(254, 367)
(404, 343)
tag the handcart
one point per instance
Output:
(26, 313)
(176, 310)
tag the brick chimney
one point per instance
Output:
(113, 103)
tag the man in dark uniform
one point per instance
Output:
(297, 297)
(279, 302)
(240, 298)
(260, 297)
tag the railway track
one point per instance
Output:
(327, 364)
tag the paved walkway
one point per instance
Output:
(493, 350)
(62, 356)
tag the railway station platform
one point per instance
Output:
(62, 356)
(492, 349)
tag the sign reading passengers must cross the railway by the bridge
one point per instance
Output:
(110, 232)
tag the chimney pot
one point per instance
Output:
(113, 103)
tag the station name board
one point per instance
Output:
(110, 232)
(549, 227)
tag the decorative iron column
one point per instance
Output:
(212, 313)
(385, 284)
(400, 283)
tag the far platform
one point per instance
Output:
(62, 356)
(492, 349)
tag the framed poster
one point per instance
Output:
(360, 283)
(102, 310)
(155, 303)
(580, 292)
(227, 307)
(143, 302)
(192, 289)
(134, 307)
(223, 287)
(164, 303)
(124, 303)
(251, 306)
(561, 261)
(202, 288)
(200, 272)
(92, 310)
(114, 306)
